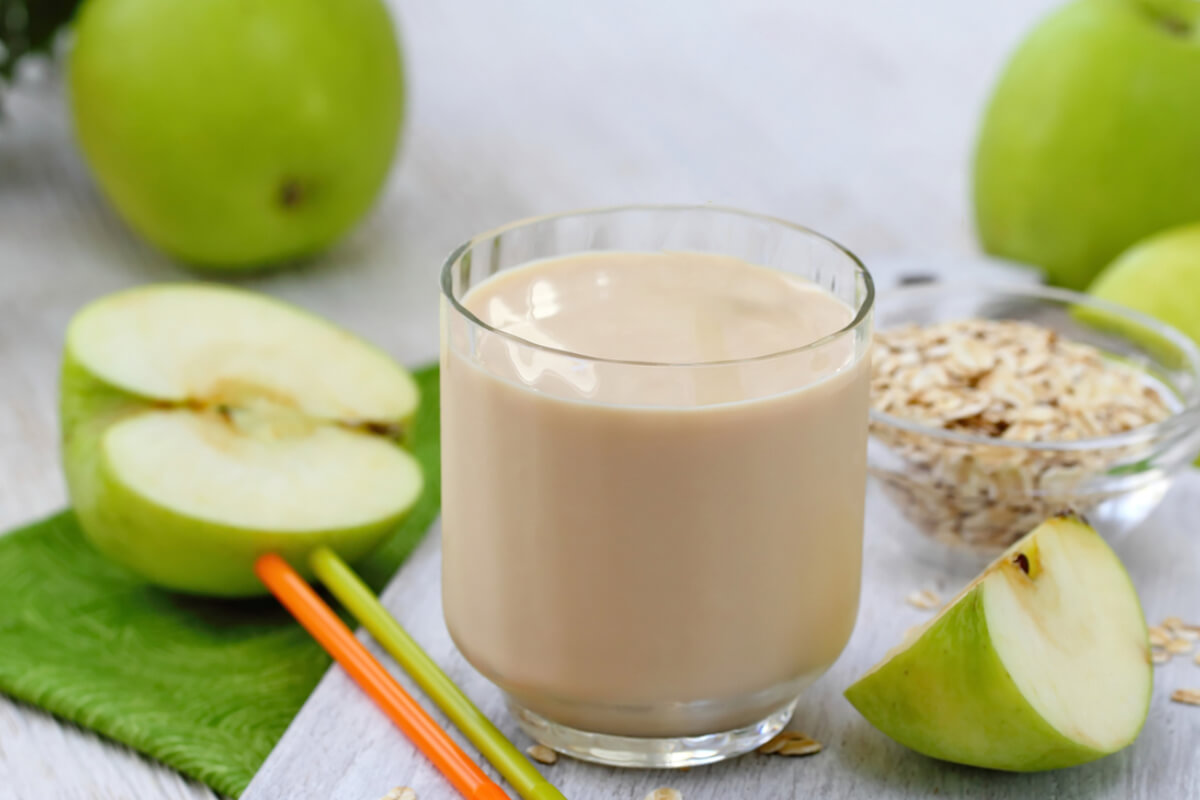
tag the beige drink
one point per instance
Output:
(659, 536)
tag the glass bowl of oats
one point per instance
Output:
(994, 407)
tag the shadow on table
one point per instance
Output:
(888, 769)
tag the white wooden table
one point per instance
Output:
(856, 119)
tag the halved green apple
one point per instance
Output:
(1042, 662)
(204, 426)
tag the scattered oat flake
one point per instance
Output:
(791, 743)
(1159, 656)
(1197, 659)
(1159, 636)
(806, 747)
(664, 794)
(1173, 624)
(774, 745)
(1177, 646)
(1189, 697)
(542, 754)
(924, 599)
(400, 793)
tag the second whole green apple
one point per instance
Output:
(237, 134)
(1089, 143)
(1160, 277)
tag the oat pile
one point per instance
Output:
(1009, 381)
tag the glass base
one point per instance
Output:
(630, 751)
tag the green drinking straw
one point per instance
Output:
(362, 603)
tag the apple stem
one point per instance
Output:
(1176, 17)
(290, 193)
(1176, 26)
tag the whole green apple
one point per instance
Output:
(237, 133)
(1090, 140)
(1159, 277)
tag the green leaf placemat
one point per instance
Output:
(204, 686)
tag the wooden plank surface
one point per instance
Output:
(855, 118)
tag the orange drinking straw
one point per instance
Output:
(333, 635)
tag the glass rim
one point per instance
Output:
(861, 313)
(1180, 421)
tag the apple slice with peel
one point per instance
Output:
(1042, 662)
(204, 426)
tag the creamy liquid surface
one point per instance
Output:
(675, 308)
(652, 550)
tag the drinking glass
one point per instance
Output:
(652, 560)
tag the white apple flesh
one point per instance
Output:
(1042, 662)
(204, 426)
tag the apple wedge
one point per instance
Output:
(204, 426)
(1042, 662)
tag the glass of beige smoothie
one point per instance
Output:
(654, 432)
